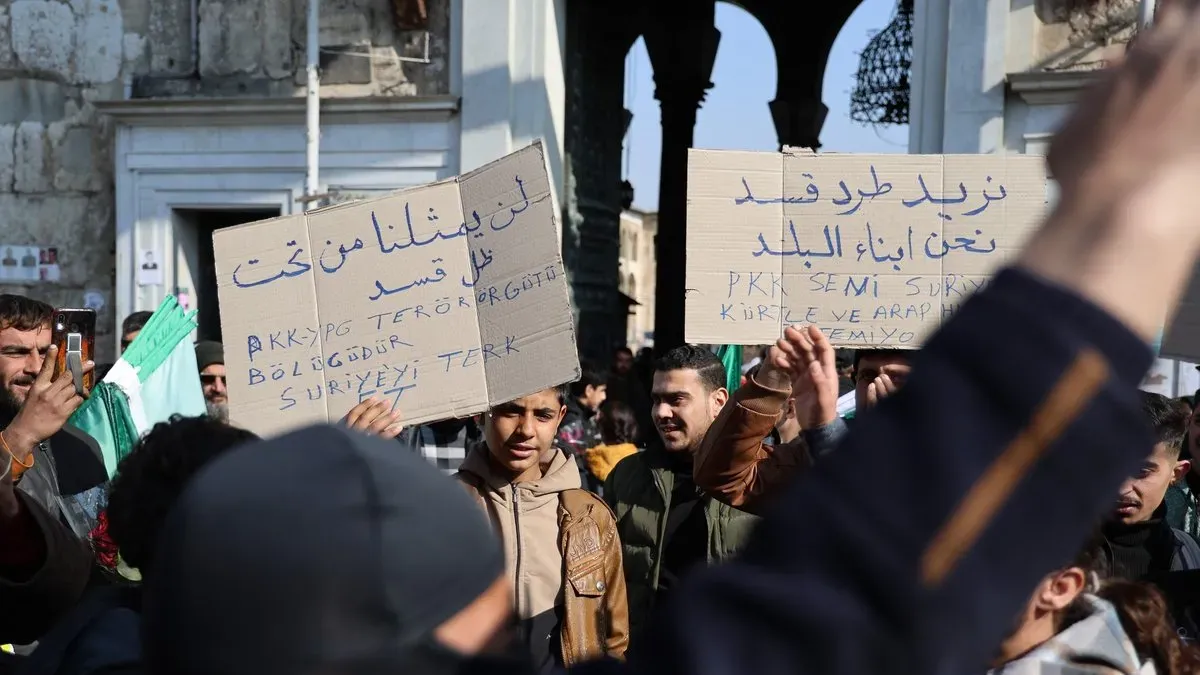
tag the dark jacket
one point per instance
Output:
(34, 597)
(99, 636)
(56, 561)
(69, 464)
(639, 491)
(1169, 549)
(904, 536)
(576, 433)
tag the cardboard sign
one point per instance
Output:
(1181, 340)
(875, 249)
(444, 299)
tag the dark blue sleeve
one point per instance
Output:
(825, 438)
(914, 547)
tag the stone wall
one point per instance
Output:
(58, 56)
(1077, 35)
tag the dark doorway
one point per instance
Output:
(203, 222)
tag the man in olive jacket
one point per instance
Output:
(666, 524)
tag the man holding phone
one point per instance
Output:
(44, 563)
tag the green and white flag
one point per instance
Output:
(731, 358)
(154, 379)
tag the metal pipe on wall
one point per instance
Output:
(312, 131)
(1146, 13)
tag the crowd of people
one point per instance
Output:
(1004, 500)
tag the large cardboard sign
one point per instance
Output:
(1181, 340)
(444, 299)
(875, 249)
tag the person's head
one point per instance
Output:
(591, 388)
(358, 580)
(870, 364)
(131, 326)
(1069, 595)
(618, 424)
(1147, 621)
(1193, 439)
(788, 425)
(687, 394)
(1052, 606)
(787, 429)
(24, 340)
(152, 477)
(520, 432)
(622, 360)
(210, 359)
(1143, 493)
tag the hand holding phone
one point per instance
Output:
(74, 334)
(48, 405)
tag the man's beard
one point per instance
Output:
(218, 411)
(10, 405)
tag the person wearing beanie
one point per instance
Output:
(560, 541)
(327, 551)
(210, 359)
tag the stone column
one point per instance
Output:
(798, 120)
(682, 50)
(594, 74)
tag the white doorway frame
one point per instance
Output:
(242, 154)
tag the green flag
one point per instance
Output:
(731, 358)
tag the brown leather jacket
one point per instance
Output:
(732, 463)
(596, 612)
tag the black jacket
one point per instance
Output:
(99, 636)
(34, 602)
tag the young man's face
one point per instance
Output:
(683, 408)
(623, 362)
(520, 431)
(593, 397)
(872, 366)
(1143, 493)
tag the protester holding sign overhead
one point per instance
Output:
(736, 466)
(444, 299)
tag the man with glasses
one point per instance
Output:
(210, 358)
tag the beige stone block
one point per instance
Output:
(30, 165)
(75, 166)
(98, 43)
(8, 134)
(43, 36)
(230, 39)
(7, 58)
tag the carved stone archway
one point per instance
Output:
(682, 46)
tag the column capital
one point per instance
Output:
(682, 56)
(798, 120)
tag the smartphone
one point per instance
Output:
(75, 336)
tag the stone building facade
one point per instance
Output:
(638, 274)
(62, 61)
(130, 129)
(999, 76)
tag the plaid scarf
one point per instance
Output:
(1096, 645)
